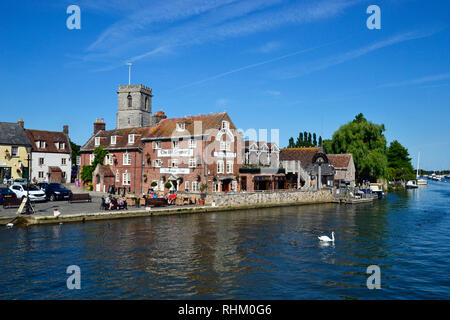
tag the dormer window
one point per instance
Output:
(131, 138)
(40, 144)
(180, 126)
(113, 140)
(62, 145)
(97, 141)
(225, 125)
(175, 144)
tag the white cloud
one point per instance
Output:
(177, 23)
(422, 80)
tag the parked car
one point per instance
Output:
(6, 193)
(34, 193)
(55, 191)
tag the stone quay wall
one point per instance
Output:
(270, 198)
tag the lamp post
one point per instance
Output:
(28, 208)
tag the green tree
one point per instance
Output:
(399, 162)
(291, 143)
(75, 151)
(309, 139)
(99, 157)
(366, 141)
(314, 139)
(320, 141)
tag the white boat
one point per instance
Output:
(411, 184)
(420, 182)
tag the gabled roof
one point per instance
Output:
(13, 134)
(167, 127)
(50, 137)
(249, 143)
(121, 140)
(339, 160)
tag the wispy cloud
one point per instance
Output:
(416, 81)
(253, 65)
(273, 93)
(353, 54)
(166, 25)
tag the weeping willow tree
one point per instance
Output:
(366, 141)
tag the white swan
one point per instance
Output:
(9, 225)
(56, 213)
(326, 238)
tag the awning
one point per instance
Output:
(226, 178)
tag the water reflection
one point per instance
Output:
(263, 253)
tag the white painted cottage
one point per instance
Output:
(51, 155)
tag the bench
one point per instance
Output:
(79, 197)
(156, 202)
(11, 202)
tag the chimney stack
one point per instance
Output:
(21, 123)
(158, 116)
(66, 129)
(99, 124)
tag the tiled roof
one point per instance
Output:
(167, 127)
(339, 160)
(305, 155)
(50, 137)
(13, 134)
(121, 140)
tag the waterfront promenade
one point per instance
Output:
(86, 211)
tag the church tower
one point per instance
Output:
(135, 106)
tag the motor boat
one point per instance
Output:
(411, 184)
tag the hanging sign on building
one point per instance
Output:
(174, 170)
(176, 153)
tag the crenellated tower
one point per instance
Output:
(134, 107)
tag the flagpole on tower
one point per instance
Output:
(129, 72)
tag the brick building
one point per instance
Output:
(187, 152)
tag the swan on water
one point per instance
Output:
(9, 225)
(326, 238)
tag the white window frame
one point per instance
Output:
(91, 158)
(156, 145)
(186, 185)
(62, 145)
(41, 174)
(192, 143)
(234, 185)
(220, 166)
(131, 138)
(113, 140)
(117, 176)
(174, 163)
(225, 125)
(225, 146)
(157, 163)
(192, 163)
(127, 159)
(194, 186)
(63, 161)
(109, 159)
(97, 141)
(175, 144)
(43, 144)
(126, 179)
(14, 154)
(41, 161)
(229, 166)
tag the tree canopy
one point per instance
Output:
(99, 156)
(366, 141)
(305, 140)
(399, 162)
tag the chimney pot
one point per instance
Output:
(21, 123)
(66, 129)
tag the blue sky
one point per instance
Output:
(288, 65)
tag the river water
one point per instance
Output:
(252, 254)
